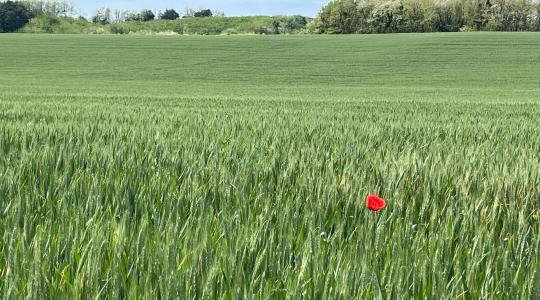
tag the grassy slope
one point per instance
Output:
(204, 166)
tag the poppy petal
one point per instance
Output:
(375, 203)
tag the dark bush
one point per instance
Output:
(118, 29)
(13, 16)
(276, 26)
(146, 15)
(178, 28)
(262, 30)
(169, 14)
(203, 13)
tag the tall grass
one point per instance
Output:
(232, 180)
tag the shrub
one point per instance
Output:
(262, 30)
(448, 18)
(118, 29)
(47, 23)
(178, 28)
(276, 26)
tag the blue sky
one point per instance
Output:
(230, 7)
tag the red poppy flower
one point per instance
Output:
(375, 203)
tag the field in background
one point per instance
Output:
(229, 167)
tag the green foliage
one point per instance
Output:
(538, 16)
(448, 18)
(293, 24)
(13, 16)
(242, 171)
(146, 15)
(389, 16)
(275, 27)
(47, 23)
(284, 25)
(205, 13)
(385, 16)
(339, 16)
(262, 30)
(169, 14)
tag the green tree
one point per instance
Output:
(13, 16)
(414, 14)
(294, 23)
(388, 16)
(338, 16)
(448, 17)
(203, 13)
(169, 14)
(146, 15)
(537, 17)
(477, 13)
(276, 25)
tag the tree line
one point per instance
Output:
(49, 16)
(395, 16)
(15, 14)
(109, 16)
(337, 17)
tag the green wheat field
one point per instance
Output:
(237, 167)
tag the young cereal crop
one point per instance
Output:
(238, 167)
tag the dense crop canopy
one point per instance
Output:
(230, 167)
